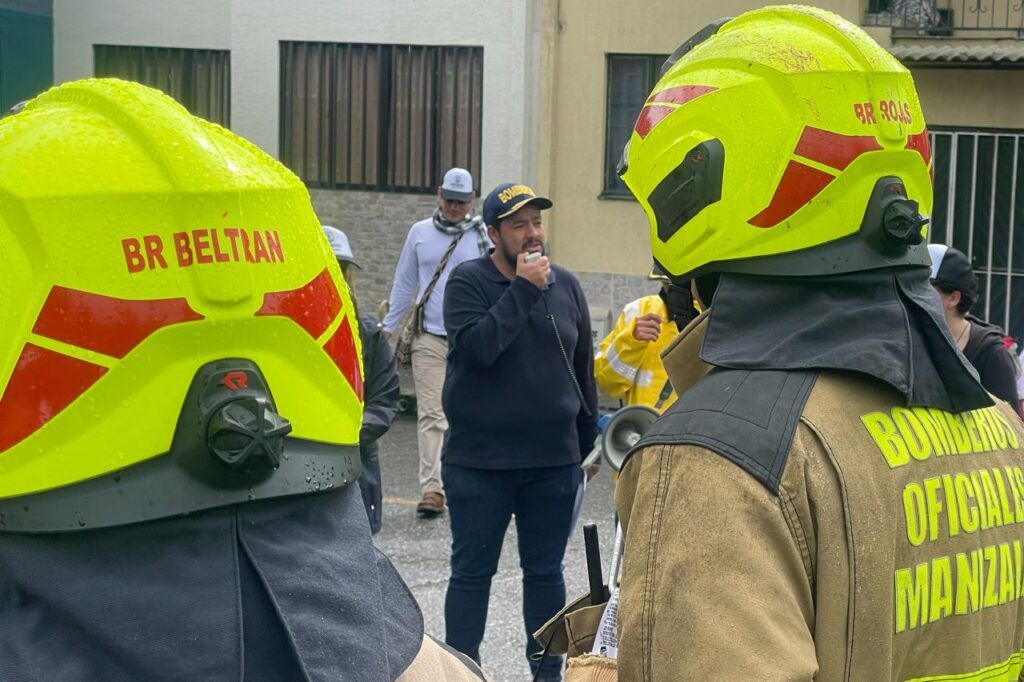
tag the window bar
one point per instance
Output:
(331, 64)
(1013, 216)
(954, 142)
(321, 48)
(385, 67)
(469, 111)
(305, 112)
(348, 115)
(991, 227)
(283, 103)
(455, 109)
(406, 98)
(974, 189)
(366, 70)
(435, 151)
(428, 53)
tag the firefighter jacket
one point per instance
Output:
(790, 519)
(631, 370)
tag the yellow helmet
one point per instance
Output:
(175, 333)
(784, 141)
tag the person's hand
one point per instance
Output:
(387, 336)
(592, 470)
(647, 327)
(536, 273)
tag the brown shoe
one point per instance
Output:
(431, 505)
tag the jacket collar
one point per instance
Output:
(885, 323)
(681, 357)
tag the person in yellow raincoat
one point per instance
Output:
(628, 365)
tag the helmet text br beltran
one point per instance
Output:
(784, 142)
(175, 333)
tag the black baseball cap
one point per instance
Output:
(950, 267)
(509, 197)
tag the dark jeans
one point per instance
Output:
(480, 504)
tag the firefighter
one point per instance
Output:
(180, 406)
(628, 366)
(834, 496)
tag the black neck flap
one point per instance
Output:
(883, 323)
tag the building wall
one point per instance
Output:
(983, 98)
(77, 26)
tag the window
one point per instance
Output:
(979, 209)
(199, 79)
(380, 117)
(631, 77)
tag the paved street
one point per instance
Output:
(419, 549)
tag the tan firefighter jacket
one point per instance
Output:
(788, 525)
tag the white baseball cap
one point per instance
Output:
(339, 245)
(457, 185)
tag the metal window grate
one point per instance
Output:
(380, 117)
(943, 17)
(631, 77)
(979, 209)
(199, 79)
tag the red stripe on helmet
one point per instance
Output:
(341, 347)
(44, 382)
(681, 94)
(650, 117)
(108, 325)
(832, 149)
(312, 306)
(799, 184)
(921, 144)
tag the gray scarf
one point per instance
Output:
(472, 221)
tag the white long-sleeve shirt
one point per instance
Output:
(421, 254)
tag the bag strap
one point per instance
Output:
(440, 268)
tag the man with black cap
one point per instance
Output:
(982, 343)
(521, 406)
(380, 384)
(433, 248)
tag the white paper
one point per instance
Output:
(606, 643)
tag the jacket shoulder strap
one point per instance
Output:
(747, 416)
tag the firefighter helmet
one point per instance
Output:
(175, 333)
(784, 141)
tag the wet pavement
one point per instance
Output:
(419, 549)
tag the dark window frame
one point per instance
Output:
(198, 97)
(611, 186)
(374, 133)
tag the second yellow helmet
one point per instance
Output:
(784, 141)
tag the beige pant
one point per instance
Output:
(428, 365)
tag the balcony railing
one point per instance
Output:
(944, 17)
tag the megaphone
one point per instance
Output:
(626, 428)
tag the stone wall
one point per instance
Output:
(376, 224)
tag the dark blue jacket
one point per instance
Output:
(508, 396)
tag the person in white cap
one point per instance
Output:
(380, 384)
(434, 247)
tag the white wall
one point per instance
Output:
(252, 29)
